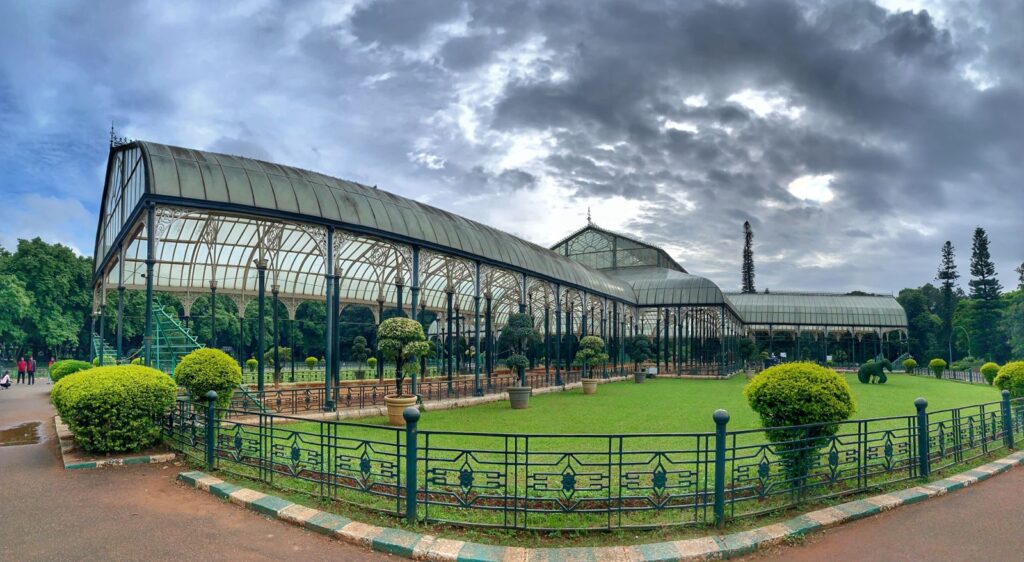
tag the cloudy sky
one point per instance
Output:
(855, 136)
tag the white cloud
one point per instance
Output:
(426, 159)
(54, 219)
(812, 188)
(680, 126)
(764, 103)
(697, 100)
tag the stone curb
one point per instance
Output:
(66, 442)
(435, 549)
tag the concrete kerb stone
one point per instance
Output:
(428, 547)
(72, 461)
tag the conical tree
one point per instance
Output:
(948, 276)
(748, 258)
(983, 283)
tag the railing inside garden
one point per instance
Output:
(584, 481)
(311, 399)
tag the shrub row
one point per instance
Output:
(114, 409)
(61, 369)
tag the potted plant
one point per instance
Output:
(401, 340)
(591, 353)
(640, 351)
(519, 330)
(359, 354)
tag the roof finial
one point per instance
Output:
(115, 140)
(588, 216)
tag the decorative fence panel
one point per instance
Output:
(588, 481)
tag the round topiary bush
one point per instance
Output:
(310, 363)
(61, 369)
(938, 366)
(252, 364)
(207, 369)
(107, 360)
(990, 371)
(1011, 377)
(909, 365)
(799, 394)
(114, 409)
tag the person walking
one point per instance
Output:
(31, 370)
(22, 368)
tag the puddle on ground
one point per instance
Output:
(24, 434)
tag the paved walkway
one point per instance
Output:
(981, 523)
(47, 513)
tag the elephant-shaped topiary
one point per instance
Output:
(874, 372)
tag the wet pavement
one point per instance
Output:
(124, 513)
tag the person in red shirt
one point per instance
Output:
(22, 369)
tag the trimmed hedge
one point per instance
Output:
(909, 365)
(310, 362)
(938, 366)
(796, 394)
(61, 369)
(114, 409)
(107, 360)
(207, 369)
(1011, 377)
(990, 371)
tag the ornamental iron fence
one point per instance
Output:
(588, 482)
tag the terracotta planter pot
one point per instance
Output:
(589, 386)
(519, 397)
(639, 377)
(396, 406)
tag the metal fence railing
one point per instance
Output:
(286, 400)
(589, 481)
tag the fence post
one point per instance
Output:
(211, 427)
(721, 418)
(1007, 420)
(922, 437)
(411, 415)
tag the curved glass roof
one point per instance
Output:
(819, 309)
(244, 184)
(655, 286)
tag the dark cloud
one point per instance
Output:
(678, 120)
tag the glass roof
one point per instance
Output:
(217, 214)
(819, 309)
(238, 183)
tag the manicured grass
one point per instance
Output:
(680, 406)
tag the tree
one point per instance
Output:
(1013, 323)
(519, 331)
(982, 318)
(401, 339)
(640, 349)
(1020, 280)
(591, 353)
(748, 258)
(15, 305)
(984, 284)
(58, 283)
(948, 276)
(359, 353)
(924, 325)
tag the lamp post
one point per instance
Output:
(950, 342)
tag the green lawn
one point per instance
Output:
(679, 406)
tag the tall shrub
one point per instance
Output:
(990, 371)
(1011, 377)
(799, 394)
(207, 369)
(114, 409)
(61, 369)
(938, 366)
(591, 353)
(401, 339)
(909, 365)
